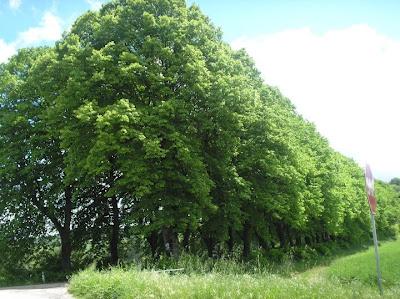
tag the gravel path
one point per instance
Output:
(44, 291)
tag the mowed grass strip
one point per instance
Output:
(119, 283)
(362, 266)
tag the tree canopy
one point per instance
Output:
(142, 125)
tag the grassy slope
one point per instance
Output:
(361, 267)
(348, 277)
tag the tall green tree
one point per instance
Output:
(142, 123)
(32, 173)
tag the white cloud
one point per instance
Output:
(95, 4)
(6, 50)
(345, 81)
(14, 4)
(50, 29)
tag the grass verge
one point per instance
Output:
(347, 277)
(361, 266)
(119, 283)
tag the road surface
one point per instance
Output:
(44, 291)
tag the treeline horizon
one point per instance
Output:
(141, 129)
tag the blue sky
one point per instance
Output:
(338, 61)
(236, 18)
(26, 14)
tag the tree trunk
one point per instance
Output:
(186, 239)
(65, 232)
(292, 239)
(175, 245)
(153, 242)
(299, 240)
(171, 242)
(209, 244)
(230, 241)
(246, 241)
(114, 231)
(66, 250)
(264, 244)
(281, 234)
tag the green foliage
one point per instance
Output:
(35, 200)
(388, 209)
(396, 183)
(142, 127)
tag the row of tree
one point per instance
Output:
(142, 125)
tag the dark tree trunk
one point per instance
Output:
(280, 229)
(153, 242)
(171, 242)
(246, 241)
(66, 250)
(175, 245)
(209, 244)
(328, 237)
(314, 240)
(230, 241)
(114, 231)
(64, 231)
(186, 239)
(299, 240)
(292, 239)
(264, 244)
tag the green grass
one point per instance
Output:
(361, 266)
(119, 283)
(347, 277)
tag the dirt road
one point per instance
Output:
(45, 291)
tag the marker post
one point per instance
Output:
(369, 186)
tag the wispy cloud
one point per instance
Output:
(95, 4)
(345, 81)
(14, 4)
(49, 29)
